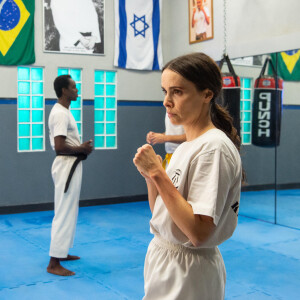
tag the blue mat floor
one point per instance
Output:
(262, 259)
(262, 205)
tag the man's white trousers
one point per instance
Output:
(65, 205)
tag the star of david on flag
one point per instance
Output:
(135, 25)
(17, 32)
(137, 34)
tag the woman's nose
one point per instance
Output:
(167, 101)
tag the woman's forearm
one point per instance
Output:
(152, 193)
(197, 228)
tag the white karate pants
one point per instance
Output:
(174, 272)
(65, 205)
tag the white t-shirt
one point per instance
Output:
(172, 130)
(201, 24)
(62, 122)
(207, 172)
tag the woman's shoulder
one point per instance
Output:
(214, 140)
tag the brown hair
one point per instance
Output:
(201, 70)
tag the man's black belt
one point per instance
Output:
(79, 158)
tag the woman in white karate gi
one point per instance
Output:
(194, 203)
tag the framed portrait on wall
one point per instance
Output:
(200, 20)
(74, 26)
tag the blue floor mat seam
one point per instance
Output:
(101, 240)
(58, 278)
(253, 290)
(106, 286)
(250, 248)
(29, 241)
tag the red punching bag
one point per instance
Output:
(266, 109)
(231, 93)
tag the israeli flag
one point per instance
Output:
(137, 34)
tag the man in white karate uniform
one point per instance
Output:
(77, 24)
(66, 174)
(172, 137)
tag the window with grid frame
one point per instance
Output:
(76, 106)
(105, 109)
(31, 109)
(246, 110)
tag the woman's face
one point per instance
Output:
(185, 105)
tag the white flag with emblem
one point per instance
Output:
(137, 34)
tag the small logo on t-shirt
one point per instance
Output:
(235, 207)
(176, 178)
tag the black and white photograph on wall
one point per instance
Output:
(200, 20)
(74, 26)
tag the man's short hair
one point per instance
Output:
(61, 82)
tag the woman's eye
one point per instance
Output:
(177, 92)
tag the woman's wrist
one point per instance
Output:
(157, 174)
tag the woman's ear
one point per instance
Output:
(208, 95)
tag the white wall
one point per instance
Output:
(262, 26)
(254, 27)
(176, 29)
(132, 85)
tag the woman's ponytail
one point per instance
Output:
(223, 121)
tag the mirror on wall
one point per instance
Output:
(258, 191)
(288, 154)
(270, 159)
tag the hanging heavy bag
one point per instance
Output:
(266, 109)
(231, 93)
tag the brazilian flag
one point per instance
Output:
(288, 65)
(17, 32)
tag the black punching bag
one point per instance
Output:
(266, 109)
(231, 93)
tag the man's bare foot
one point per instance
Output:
(56, 268)
(69, 257)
